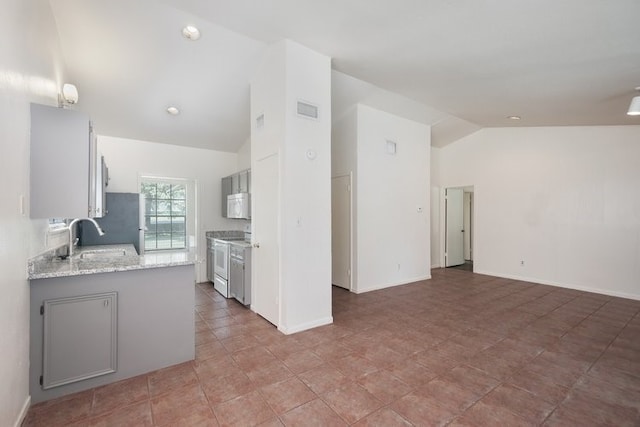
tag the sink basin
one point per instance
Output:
(103, 253)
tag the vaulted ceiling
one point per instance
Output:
(454, 63)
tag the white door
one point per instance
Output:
(468, 224)
(265, 282)
(341, 231)
(454, 250)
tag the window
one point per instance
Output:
(165, 214)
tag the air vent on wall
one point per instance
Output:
(307, 110)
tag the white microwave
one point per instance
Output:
(238, 206)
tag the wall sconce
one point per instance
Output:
(69, 95)
(634, 107)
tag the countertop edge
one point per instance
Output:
(52, 268)
(87, 272)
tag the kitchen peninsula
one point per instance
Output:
(107, 314)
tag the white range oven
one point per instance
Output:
(221, 267)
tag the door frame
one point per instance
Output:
(351, 231)
(443, 219)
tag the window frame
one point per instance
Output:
(149, 180)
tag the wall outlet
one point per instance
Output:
(521, 263)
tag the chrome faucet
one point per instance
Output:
(70, 227)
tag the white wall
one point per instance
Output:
(291, 72)
(128, 158)
(268, 94)
(31, 71)
(244, 156)
(435, 208)
(392, 235)
(306, 193)
(268, 91)
(565, 200)
(344, 134)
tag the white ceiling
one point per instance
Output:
(461, 63)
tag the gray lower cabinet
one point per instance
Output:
(240, 274)
(153, 312)
(236, 279)
(210, 259)
(80, 338)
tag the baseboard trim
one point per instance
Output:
(23, 412)
(304, 326)
(562, 285)
(391, 285)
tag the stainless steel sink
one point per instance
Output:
(103, 253)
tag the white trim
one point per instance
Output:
(305, 326)
(352, 230)
(562, 285)
(442, 234)
(190, 184)
(390, 285)
(443, 218)
(23, 412)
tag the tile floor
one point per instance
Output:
(467, 266)
(461, 349)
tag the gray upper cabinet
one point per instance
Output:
(245, 181)
(67, 179)
(233, 184)
(226, 189)
(241, 182)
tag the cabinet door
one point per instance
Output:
(243, 179)
(226, 189)
(236, 280)
(235, 186)
(210, 271)
(80, 338)
(60, 163)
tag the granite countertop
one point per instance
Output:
(105, 259)
(225, 234)
(233, 237)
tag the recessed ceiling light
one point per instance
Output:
(191, 32)
(173, 111)
(514, 117)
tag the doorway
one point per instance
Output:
(341, 231)
(458, 227)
